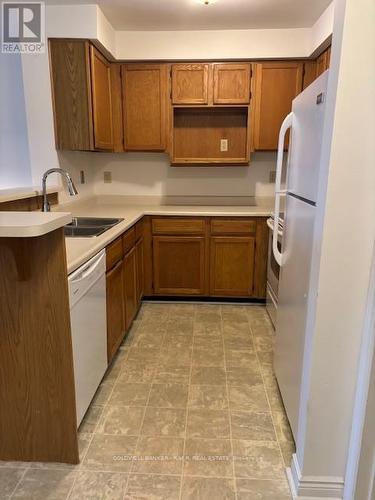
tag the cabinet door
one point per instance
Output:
(115, 309)
(309, 73)
(101, 100)
(232, 266)
(190, 83)
(140, 273)
(231, 83)
(322, 62)
(130, 287)
(277, 84)
(117, 120)
(144, 105)
(179, 265)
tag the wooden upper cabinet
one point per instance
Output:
(101, 100)
(231, 83)
(144, 89)
(277, 84)
(190, 83)
(322, 62)
(116, 96)
(315, 67)
(81, 90)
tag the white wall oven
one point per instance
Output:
(273, 270)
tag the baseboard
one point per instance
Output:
(313, 487)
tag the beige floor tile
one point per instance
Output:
(176, 356)
(177, 341)
(208, 357)
(235, 328)
(152, 487)
(201, 342)
(257, 459)
(258, 489)
(274, 398)
(172, 374)
(130, 394)
(265, 357)
(42, 484)
(248, 397)
(122, 420)
(254, 426)
(161, 455)
(234, 316)
(157, 330)
(208, 375)
(263, 344)
(207, 317)
(99, 486)
(168, 396)
(115, 367)
(136, 371)
(148, 341)
(208, 423)
(241, 357)
(110, 453)
(91, 419)
(9, 479)
(206, 330)
(244, 375)
(143, 354)
(164, 422)
(202, 488)
(208, 457)
(103, 392)
(287, 450)
(282, 426)
(180, 326)
(213, 397)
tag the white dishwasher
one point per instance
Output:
(87, 298)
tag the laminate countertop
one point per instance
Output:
(31, 224)
(79, 250)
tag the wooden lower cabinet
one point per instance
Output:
(139, 255)
(232, 266)
(115, 309)
(179, 265)
(130, 286)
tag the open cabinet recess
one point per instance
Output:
(210, 136)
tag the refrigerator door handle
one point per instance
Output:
(285, 126)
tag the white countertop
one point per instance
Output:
(79, 250)
(29, 224)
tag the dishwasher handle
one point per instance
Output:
(87, 270)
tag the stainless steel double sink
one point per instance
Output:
(88, 227)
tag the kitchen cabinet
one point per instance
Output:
(314, 68)
(190, 83)
(179, 265)
(115, 309)
(117, 121)
(231, 83)
(81, 92)
(232, 266)
(139, 255)
(276, 85)
(212, 256)
(130, 286)
(144, 88)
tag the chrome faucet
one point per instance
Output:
(71, 187)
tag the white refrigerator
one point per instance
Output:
(305, 125)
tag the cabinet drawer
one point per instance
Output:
(139, 229)
(178, 225)
(228, 226)
(114, 253)
(128, 239)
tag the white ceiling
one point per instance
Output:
(193, 15)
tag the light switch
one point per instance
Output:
(223, 145)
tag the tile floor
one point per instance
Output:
(189, 409)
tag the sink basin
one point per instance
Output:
(88, 227)
(93, 222)
(83, 232)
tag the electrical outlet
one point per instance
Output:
(82, 176)
(272, 176)
(223, 145)
(107, 177)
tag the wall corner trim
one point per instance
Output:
(313, 487)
